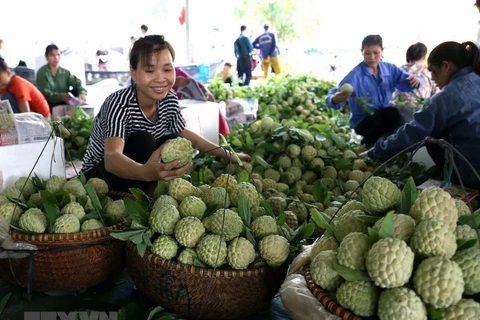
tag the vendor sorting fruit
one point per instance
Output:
(127, 146)
(453, 114)
(368, 88)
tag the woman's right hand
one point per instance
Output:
(155, 170)
(340, 97)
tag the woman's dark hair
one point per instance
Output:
(144, 47)
(3, 65)
(462, 55)
(416, 52)
(372, 40)
(50, 48)
(228, 64)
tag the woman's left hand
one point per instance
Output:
(244, 156)
(414, 82)
(364, 154)
(210, 96)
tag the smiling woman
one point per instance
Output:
(134, 123)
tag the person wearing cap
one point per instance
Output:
(267, 44)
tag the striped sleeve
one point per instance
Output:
(115, 117)
(177, 122)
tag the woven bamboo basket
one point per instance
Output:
(67, 262)
(197, 293)
(328, 302)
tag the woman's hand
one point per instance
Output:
(156, 170)
(82, 97)
(364, 154)
(210, 96)
(181, 81)
(414, 82)
(339, 97)
(244, 157)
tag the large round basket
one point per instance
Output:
(197, 293)
(67, 262)
(328, 302)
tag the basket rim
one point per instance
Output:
(67, 238)
(190, 269)
(120, 194)
(328, 302)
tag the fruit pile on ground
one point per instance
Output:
(56, 205)
(400, 254)
(225, 224)
(75, 131)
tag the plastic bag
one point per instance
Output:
(9, 246)
(302, 259)
(300, 303)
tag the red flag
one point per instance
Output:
(181, 18)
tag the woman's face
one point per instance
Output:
(155, 79)
(441, 74)
(372, 55)
(53, 58)
(4, 78)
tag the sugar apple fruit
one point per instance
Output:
(323, 272)
(323, 243)
(462, 208)
(13, 193)
(299, 209)
(403, 226)
(359, 296)
(163, 200)
(192, 206)
(33, 220)
(264, 226)
(240, 253)
(116, 210)
(434, 202)
(212, 250)
(187, 256)
(26, 186)
(90, 225)
(55, 183)
(216, 197)
(250, 193)
(274, 249)
(11, 212)
(75, 187)
(465, 309)
(390, 263)
(164, 219)
(379, 195)
(180, 188)
(100, 187)
(465, 232)
(348, 223)
(177, 149)
(257, 212)
(188, 231)
(469, 261)
(401, 304)
(226, 182)
(431, 238)
(67, 223)
(439, 282)
(74, 208)
(230, 224)
(353, 251)
(165, 247)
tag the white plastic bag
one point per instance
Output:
(300, 303)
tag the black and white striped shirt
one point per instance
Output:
(121, 116)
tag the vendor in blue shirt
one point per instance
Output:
(374, 82)
(453, 114)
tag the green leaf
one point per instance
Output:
(200, 264)
(250, 143)
(30, 204)
(141, 248)
(154, 312)
(201, 176)
(83, 179)
(343, 163)
(195, 178)
(146, 239)
(48, 197)
(261, 161)
(373, 236)
(250, 237)
(433, 314)
(161, 189)
(39, 183)
(236, 142)
(18, 203)
(386, 230)
(309, 230)
(472, 220)
(126, 235)
(270, 148)
(368, 219)
(268, 208)
(338, 141)
(243, 176)
(350, 274)
(20, 230)
(52, 212)
(302, 233)
(135, 212)
(321, 221)
(62, 197)
(244, 209)
(94, 198)
(141, 198)
(281, 219)
(4, 301)
(409, 195)
(465, 244)
(138, 238)
(318, 191)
